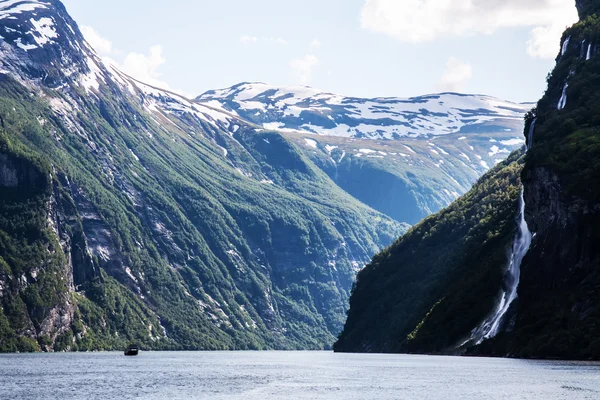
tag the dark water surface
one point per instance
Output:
(290, 375)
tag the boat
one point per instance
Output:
(132, 350)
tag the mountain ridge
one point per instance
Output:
(291, 106)
(163, 222)
(423, 172)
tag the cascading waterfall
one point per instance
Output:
(492, 325)
(565, 46)
(530, 135)
(562, 103)
(582, 49)
(589, 52)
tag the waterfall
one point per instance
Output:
(565, 46)
(589, 52)
(530, 135)
(562, 103)
(582, 49)
(492, 325)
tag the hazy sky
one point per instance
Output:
(366, 48)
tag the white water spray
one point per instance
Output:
(492, 325)
(565, 46)
(562, 103)
(589, 52)
(530, 135)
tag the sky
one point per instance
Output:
(360, 48)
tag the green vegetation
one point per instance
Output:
(135, 227)
(436, 283)
(568, 141)
(558, 313)
(429, 290)
(406, 179)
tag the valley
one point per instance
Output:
(252, 217)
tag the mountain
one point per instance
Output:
(131, 214)
(406, 158)
(432, 286)
(309, 110)
(506, 296)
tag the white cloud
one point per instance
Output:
(304, 67)
(248, 39)
(245, 39)
(544, 41)
(426, 20)
(315, 44)
(457, 75)
(102, 45)
(145, 67)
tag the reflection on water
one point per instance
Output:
(291, 375)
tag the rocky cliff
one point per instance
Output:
(556, 313)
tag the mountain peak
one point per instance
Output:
(40, 41)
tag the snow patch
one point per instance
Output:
(513, 142)
(44, 31)
(273, 126)
(311, 143)
(496, 150)
(134, 155)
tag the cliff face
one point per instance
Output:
(558, 312)
(587, 8)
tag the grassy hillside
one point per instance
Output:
(428, 290)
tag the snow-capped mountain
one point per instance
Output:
(309, 110)
(128, 212)
(434, 147)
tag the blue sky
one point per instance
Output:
(365, 48)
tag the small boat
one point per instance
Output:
(132, 350)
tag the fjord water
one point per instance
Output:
(286, 375)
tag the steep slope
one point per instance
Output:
(556, 313)
(406, 158)
(154, 219)
(428, 290)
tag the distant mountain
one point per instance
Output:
(131, 214)
(306, 109)
(407, 158)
